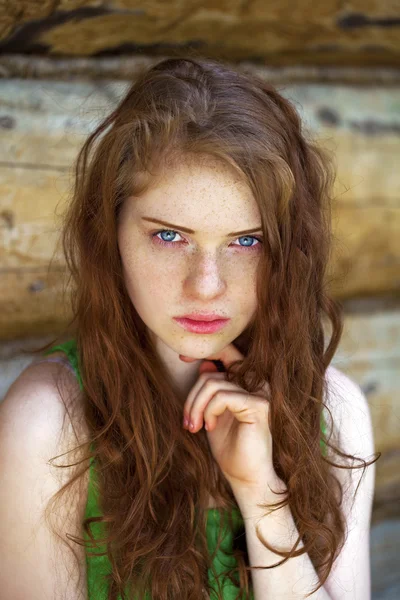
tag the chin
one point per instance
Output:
(202, 349)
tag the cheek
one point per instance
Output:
(244, 290)
(149, 287)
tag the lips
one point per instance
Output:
(195, 326)
(204, 317)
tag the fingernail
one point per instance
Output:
(191, 425)
(185, 422)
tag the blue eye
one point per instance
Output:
(171, 243)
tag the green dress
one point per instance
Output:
(98, 566)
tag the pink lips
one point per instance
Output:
(196, 326)
(203, 316)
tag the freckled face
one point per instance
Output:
(169, 272)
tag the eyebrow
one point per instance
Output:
(187, 230)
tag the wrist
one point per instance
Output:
(250, 497)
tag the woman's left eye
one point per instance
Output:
(173, 243)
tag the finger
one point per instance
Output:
(205, 367)
(227, 355)
(245, 407)
(201, 394)
(187, 407)
(187, 358)
(208, 367)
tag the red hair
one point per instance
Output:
(153, 477)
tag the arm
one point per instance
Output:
(297, 576)
(350, 575)
(35, 563)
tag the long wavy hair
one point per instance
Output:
(154, 478)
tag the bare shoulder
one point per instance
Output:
(46, 393)
(353, 434)
(40, 420)
(350, 410)
(43, 412)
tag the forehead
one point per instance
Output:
(203, 189)
(195, 172)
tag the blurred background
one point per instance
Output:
(64, 64)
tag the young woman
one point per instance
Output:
(198, 239)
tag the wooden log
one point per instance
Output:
(277, 33)
(126, 66)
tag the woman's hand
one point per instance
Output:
(236, 423)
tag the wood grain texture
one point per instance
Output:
(281, 33)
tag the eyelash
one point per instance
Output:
(164, 243)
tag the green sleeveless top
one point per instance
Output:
(99, 566)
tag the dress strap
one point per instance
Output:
(71, 350)
(59, 360)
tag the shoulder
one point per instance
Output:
(353, 434)
(36, 427)
(350, 411)
(43, 409)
